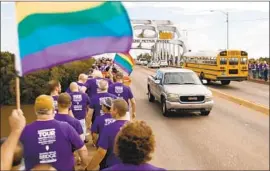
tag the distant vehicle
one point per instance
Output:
(163, 63)
(143, 61)
(153, 64)
(179, 89)
(224, 65)
(138, 62)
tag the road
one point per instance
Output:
(232, 137)
(251, 91)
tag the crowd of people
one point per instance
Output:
(259, 70)
(98, 105)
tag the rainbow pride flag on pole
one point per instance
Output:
(125, 62)
(53, 33)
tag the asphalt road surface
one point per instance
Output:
(232, 137)
(251, 91)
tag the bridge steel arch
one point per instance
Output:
(161, 48)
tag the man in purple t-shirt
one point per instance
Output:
(139, 136)
(107, 136)
(80, 103)
(49, 141)
(124, 92)
(64, 103)
(92, 84)
(102, 120)
(81, 83)
(55, 90)
(95, 102)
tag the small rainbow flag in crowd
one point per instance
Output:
(125, 62)
(53, 33)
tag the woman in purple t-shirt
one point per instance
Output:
(140, 137)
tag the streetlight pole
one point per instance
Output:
(227, 21)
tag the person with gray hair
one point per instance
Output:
(47, 140)
(96, 100)
(92, 84)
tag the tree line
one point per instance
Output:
(34, 84)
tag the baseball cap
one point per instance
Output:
(107, 102)
(44, 103)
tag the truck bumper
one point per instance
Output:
(207, 106)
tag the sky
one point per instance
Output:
(248, 24)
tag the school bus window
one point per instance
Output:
(243, 61)
(223, 61)
(233, 61)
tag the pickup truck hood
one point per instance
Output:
(187, 90)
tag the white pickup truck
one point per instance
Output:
(179, 90)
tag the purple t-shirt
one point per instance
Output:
(92, 85)
(50, 142)
(55, 98)
(80, 101)
(121, 91)
(95, 102)
(80, 86)
(55, 102)
(75, 123)
(106, 141)
(132, 167)
(101, 122)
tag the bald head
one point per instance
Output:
(97, 74)
(74, 87)
(43, 167)
(82, 78)
(103, 85)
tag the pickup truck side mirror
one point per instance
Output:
(157, 81)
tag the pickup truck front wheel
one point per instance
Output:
(151, 98)
(165, 111)
(205, 113)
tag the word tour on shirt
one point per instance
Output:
(46, 137)
(77, 98)
(109, 121)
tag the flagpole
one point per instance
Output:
(18, 95)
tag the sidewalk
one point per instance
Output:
(249, 79)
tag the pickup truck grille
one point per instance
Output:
(187, 99)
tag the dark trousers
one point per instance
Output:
(265, 74)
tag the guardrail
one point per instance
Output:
(249, 79)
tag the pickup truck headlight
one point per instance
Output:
(208, 98)
(173, 97)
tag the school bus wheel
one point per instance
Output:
(225, 82)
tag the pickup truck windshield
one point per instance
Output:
(181, 78)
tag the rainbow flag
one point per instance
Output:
(125, 62)
(53, 33)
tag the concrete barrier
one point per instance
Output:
(248, 104)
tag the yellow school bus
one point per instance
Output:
(224, 65)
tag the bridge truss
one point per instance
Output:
(166, 40)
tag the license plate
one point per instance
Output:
(192, 98)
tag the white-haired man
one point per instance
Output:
(92, 84)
